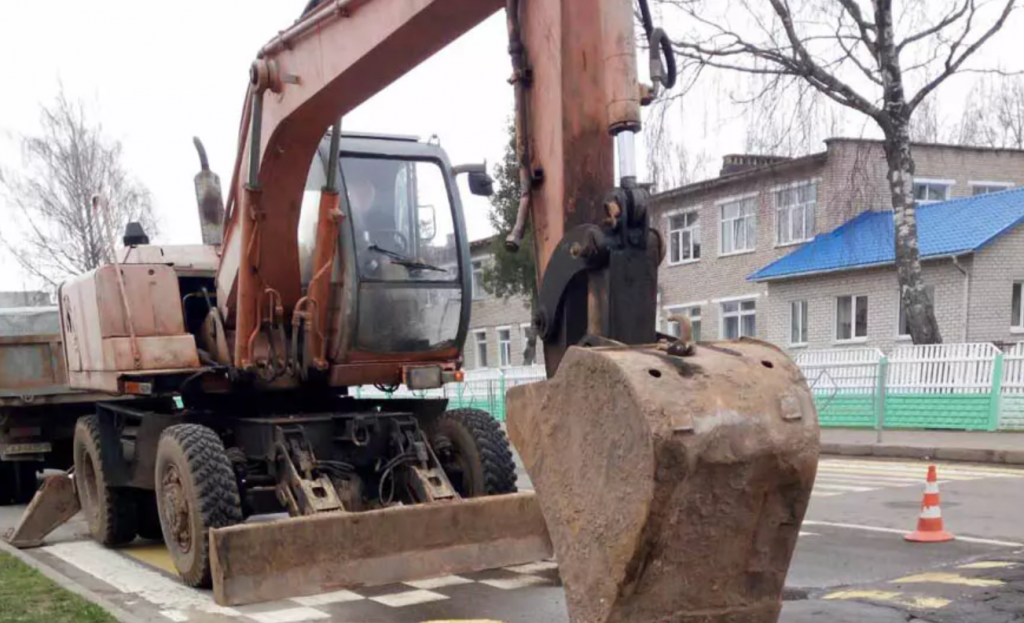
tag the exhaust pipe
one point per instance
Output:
(209, 199)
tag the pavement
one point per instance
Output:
(851, 564)
(975, 447)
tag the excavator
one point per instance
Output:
(671, 478)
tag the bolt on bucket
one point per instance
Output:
(673, 487)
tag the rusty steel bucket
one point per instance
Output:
(673, 487)
(308, 555)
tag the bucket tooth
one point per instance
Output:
(673, 487)
(333, 551)
(54, 504)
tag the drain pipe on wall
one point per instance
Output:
(967, 294)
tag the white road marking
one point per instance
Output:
(323, 599)
(408, 598)
(289, 615)
(534, 567)
(965, 539)
(802, 533)
(842, 488)
(441, 582)
(175, 615)
(841, 476)
(515, 583)
(129, 576)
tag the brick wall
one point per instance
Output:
(488, 314)
(995, 268)
(881, 288)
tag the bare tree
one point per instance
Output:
(993, 114)
(56, 231)
(864, 56)
(925, 126)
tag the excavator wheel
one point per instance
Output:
(17, 481)
(111, 512)
(195, 491)
(475, 453)
(149, 516)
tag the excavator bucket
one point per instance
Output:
(333, 551)
(55, 503)
(673, 487)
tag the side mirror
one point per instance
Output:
(480, 182)
(427, 217)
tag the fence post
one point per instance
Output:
(997, 392)
(883, 375)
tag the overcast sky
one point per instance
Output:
(157, 73)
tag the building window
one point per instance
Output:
(931, 191)
(851, 318)
(904, 332)
(739, 226)
(477, 278)
(504, 347)
(1017, 309)
(739, 319)
(480, 337)
(683, 237)
(797, 323)
(692, 312)
(794, 213)
(984, 188)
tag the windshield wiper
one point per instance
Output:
(408, 262)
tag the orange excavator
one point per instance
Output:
(671, 477)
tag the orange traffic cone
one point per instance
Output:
(929, 523)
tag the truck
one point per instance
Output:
(38, 409)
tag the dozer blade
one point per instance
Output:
(54, 504)
(309, 555)
(673, 487)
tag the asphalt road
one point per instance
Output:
(851, 563)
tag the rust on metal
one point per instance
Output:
(673, 487)
(54, 504)
(309, 555)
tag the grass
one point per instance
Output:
(27, 596)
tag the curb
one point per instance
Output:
(70, 585)
(965, 455)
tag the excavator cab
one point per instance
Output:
(402, 246)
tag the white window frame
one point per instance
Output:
(671, 232)
(988, 184)
(477, 343)
(504, 347)
(806, 308)
(949, 184)
(854, 338)
(813, 206)
(675, 309)
(720, 207)
(739, 314)
(905, 337)
(1017, 327)
(476, 286)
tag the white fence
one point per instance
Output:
(846, 370)
(942, 369)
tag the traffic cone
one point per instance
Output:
(929, 523)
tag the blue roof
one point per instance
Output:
(947, 228)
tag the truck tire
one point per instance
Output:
(110, 511)
(475, 453)
(195, 491)
(18, 481)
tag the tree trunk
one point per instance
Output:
(530, 350)
(895, 123)
(920, 312)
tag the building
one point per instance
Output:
(498, 327)
(841, 288)
(720, 231)
(28, 298)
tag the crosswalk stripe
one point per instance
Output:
(977, 471)
(832, 487)
(885, 481)
(921, 473)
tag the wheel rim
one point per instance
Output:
(90, 489)
(176, 510)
